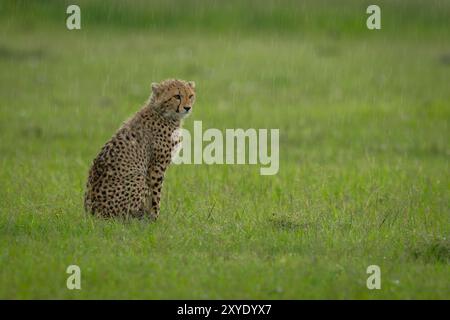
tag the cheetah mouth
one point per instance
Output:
(185, 113)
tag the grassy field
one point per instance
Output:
(364, 149)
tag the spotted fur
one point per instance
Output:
(126, 177)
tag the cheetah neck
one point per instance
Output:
(154, 119)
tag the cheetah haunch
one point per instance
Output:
(126, 177)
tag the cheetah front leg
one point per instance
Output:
(156, 182)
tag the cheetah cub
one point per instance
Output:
(126, 177)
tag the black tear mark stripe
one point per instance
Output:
(178, 108)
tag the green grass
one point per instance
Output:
(364, 150)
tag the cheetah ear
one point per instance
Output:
(191, 84)
(155, 88)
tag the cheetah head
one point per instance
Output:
(173, 98)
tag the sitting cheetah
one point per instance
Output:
(126, 177)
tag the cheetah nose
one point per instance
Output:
(187, 108)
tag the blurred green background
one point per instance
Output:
(364, 150)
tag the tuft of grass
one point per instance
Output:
(436, 250)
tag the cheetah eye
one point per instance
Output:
(177, 96)
(191, 96)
